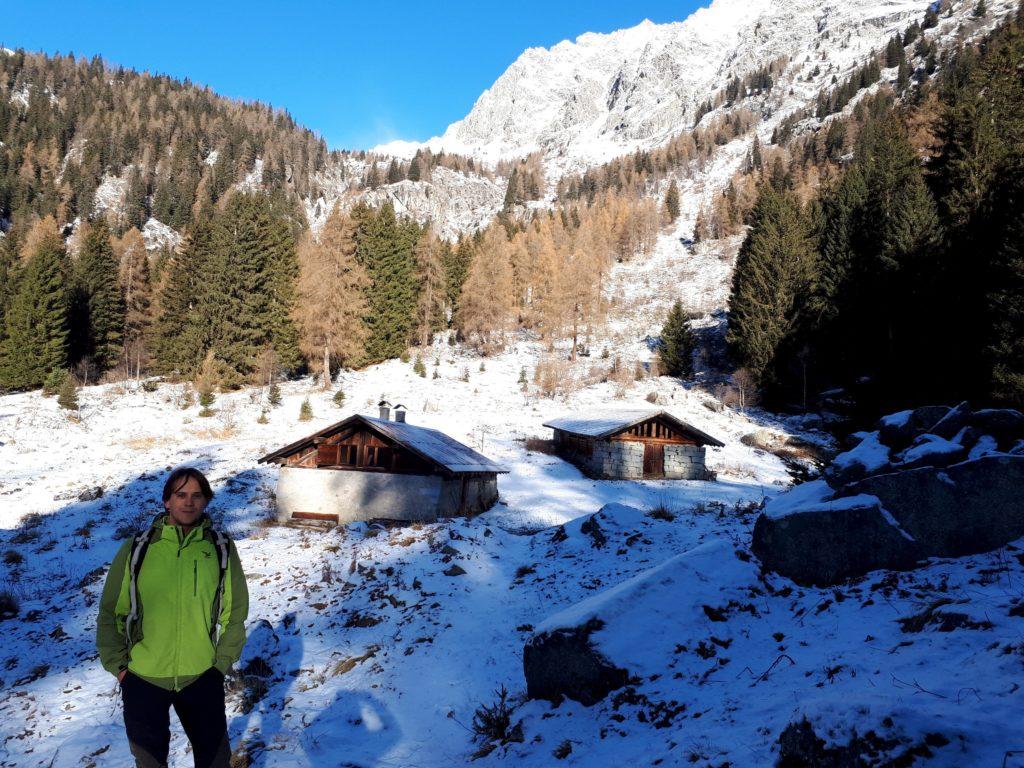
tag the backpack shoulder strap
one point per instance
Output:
(220, 542)
(140, 544)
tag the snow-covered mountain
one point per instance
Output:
(607, 94)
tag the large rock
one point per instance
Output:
(952, 422)
(816, 539)
(930, 450)
(969, 507)
(635, 628)
(898, 430)
(868, 457)
(563, 662)
(1004, 424)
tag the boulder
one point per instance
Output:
(898, 430)
(970, 507)
(815, 539)
(930, 450)
(635, 628)
(952, 422)
(564, 662)
(868, 457)
(91, 494)
(1004, 424)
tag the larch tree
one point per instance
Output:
(136, 288)
(430, 254)
(487, 303)
(331, 304)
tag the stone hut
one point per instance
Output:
(364, 468)
(632, 445)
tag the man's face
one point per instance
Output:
(186, 504)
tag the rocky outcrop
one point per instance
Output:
(636, 628)
(929, 482)
(564, 662)
(828, 541)
(966, 508)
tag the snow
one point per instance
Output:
(600, 422)
(158, 235)
(816, 496)
(928, 445)
(395, 693)
(986, 445)
(630, 602)
(870, 453)
(897, 419)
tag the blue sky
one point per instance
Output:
(358, 73)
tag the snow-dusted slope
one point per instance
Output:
(606, 94)
(370, 649)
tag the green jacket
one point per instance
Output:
(177, 585)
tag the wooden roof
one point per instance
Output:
(429, 444)
(600, 424)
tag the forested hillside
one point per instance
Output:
(899, 279)
(66, 122)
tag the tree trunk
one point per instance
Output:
(327, 367)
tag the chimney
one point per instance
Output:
(385, 410)
(400, 413)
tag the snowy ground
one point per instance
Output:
(378, 658)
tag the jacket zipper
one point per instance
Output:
(195, 578)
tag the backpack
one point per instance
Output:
(140, 544)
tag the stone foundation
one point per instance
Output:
(354, 496)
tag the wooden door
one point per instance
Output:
(654, 460)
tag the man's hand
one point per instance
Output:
(121, 674)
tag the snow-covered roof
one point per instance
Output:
(430, 444)
(607, 422)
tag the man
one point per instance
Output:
(171, 624)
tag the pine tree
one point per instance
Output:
(101, 317)
(190, 318)
(772, 273)
(8, 275)
(256, 252)
(339, 398)
(67, 395)
(206, 383)
(511, 191)
(305, 411)
(35, 338)
(678, 343)
(456, 268)
(980, 10)
(394, 172)
(415, 174)
(671, 209)
(385, 250)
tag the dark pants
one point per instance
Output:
(200, 708)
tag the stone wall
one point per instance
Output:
(624, 460)
(618, 460)
(685, 462)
